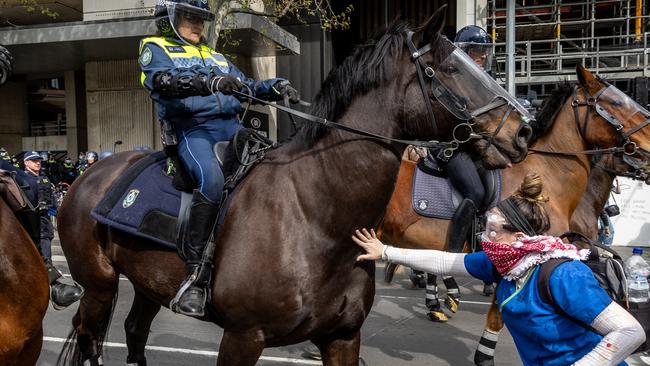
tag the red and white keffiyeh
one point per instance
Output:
(513, 260)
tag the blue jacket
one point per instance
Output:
(160, 54)
(543, 336)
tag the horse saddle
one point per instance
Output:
(147, 199)
(434, 195)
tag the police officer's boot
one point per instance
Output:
(194, 233)
(460, 226)
(62, 294)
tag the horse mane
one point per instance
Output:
(359, 73)
(545, 118)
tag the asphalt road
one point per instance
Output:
(397, 332)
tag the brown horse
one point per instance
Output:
(565, 175)
(24, 294)
(288, 228)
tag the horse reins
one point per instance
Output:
(627, 147)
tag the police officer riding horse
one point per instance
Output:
(191, 85)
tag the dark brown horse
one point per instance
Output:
(24, 294)
(288, 228)
(565, 176)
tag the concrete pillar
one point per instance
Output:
(471, 12)
(14, 120)
(75, 111)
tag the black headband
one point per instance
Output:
(515, 217)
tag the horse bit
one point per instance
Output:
(628, 147)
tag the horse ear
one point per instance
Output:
(586, 78)
(433, 26)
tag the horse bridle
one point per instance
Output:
(628, 147)
(464, 131)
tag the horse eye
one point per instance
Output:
(616, 103)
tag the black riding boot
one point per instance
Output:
(62, 294)
(460, 226)
(194, 234)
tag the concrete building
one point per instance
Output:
(76, 85)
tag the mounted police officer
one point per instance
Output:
(462, 171)
(191, 85)
(38, 191)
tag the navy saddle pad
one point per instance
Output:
(143, 202)
(435, 197)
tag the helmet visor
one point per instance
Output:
(481, 53)
(190, 23)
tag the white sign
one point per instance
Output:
(632, 226)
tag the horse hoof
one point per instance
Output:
(311, 352)
(452, 303)
(437, 316)
(481, 359)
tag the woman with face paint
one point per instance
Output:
(590, 330)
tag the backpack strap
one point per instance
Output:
(543, 280)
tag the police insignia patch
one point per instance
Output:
(146, 56)
(130, 198)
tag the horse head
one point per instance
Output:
(478, 113)
(618, 122)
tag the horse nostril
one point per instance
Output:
(525, 133)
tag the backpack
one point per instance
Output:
(608, 272)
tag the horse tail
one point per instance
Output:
(70, 353)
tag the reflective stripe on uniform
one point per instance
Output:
(186, 56)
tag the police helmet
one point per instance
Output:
(45, 156)
(104, 154)
(475, 41)
(92, 155)
(170, 13)
(6, 65)
(3, 152)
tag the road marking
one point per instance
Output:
(194, 352)
(58, 258)
(440, 298)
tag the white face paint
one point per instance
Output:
(494, 231)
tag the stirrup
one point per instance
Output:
(189, 281)
(57, 306)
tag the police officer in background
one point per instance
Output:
(191, 85)
(90, 158)
(4, 155)
(68, 171)
(38, 190)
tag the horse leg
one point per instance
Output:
(137, 326)
(431, 301)
(452, 301)
(240, 348)
(340, 351)
(484, 355)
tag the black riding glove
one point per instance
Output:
(285, 90)
(226, 84)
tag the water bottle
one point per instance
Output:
(637, 271)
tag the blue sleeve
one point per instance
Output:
(262, 89)
(576, 291)
(479, 266)
(5, 165)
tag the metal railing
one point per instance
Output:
(47, 128)
(603, 55)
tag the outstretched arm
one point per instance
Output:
(622, 335)
(430, 261)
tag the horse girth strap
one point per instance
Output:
(332, 124)
(416, 55)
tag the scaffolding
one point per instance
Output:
(609, 37)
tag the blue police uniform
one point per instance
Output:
(201, 121)
(541, 334)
